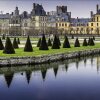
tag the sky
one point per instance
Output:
(78, 8)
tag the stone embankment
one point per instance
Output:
(14, 61)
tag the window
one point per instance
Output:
(97, 24)
(62, 24)
(91, 24)
(56, 24)
(65, 24)
(97, 19)
(59, 24)
(91, 29)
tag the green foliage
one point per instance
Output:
(58, 41)
(77, 44)
(18, 41)
(39, 42)
(89, 40)
(85, 42)
(3, 36)
(9, 49)
(93, 38)
(43, 44)
(1, 45)
(28, 45)
(55, 43)
(92, 42)
(66, 43)
(72, 36)
(49, 42)
(15, 43)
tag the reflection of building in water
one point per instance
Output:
(28, 75)
(9, 78)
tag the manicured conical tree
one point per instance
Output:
(9, 49)
(15, 43)
(89, 40)
(43, 44)
(93, 38)
(85, 42)
(39, 42)
(49, 42)
(18, 41)
(92, 42)
(28, 45)
(66, 43)
(72, 36)
(3, 36)
(58, 40)
(77, 44)
(1, 45)
(55, 43)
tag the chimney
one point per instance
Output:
(91, 13)
(97, 8)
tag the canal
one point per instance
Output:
(78, 79)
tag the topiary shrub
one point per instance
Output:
(39, 42)
(1, 45)
(58, 40)
(49, 42)
(43, 44)
(66, 43)
(77, 44)
(18, 41)
(3, 36)
(28, 45)
(92, 42)
(15, 43)
(93, 38)
(85, 42)
(89, 40)
(55, 43)
(9, 49)
(72, 36)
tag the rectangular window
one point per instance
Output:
(91, 24)
(97, 24)
(97, 19)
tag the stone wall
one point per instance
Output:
(12, 61)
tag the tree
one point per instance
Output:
(58, 41)
(49, 42)
(18, 41)
(15, 43)
(77, 44)
(85, 42)
(43, 44)
(39, 42)
(55, 43)
(89, 40)
(28, 45)
(9, 49)
(92, 42)
(66, 43)
(1, 45)
(3, 36)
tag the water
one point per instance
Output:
(77, 80)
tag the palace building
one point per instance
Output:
(38, 22)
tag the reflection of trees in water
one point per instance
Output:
(43, 73)
(85, 61)
(55, 69)
(91, 60)
(28, 75)
(9, 78)
(98, 64)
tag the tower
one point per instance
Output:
(97, 7)
(16, 11)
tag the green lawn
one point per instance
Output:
(37, 52)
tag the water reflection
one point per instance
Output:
(77, 79)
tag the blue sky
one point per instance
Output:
(79, 8)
